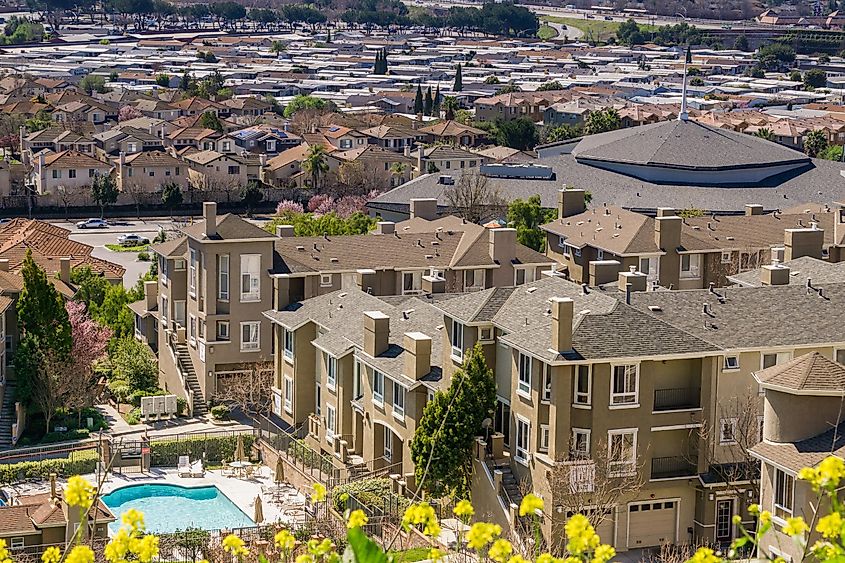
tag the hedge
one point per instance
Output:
(78, 463)
(213, 450)
(372, 493)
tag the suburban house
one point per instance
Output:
(454, 133)
(214, 170)
(146, 172)
(67, 170)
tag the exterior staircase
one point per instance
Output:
(7, 416)
(186, 366)
(510, 486)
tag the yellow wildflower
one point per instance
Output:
(4, 553)
(79, 492)
(754, 509)
(531, 504)
(319, 494)
(235, 545)
(517, 559)
(80, 554)
(581, 535)
(795, 526)
(463, 508)
(736, 519)
(547, 558)
(831, 470)
(482, 533)
(824, 550)
(320, 548)
(500, 551)
(435, 554)
(422, 514)
(305, 558)
(603, 554)
(704, 555)
(830, 526)
(284, 540)
(765, 517)
(357, 518)
(134, 519)
(51, 555)
(118, 547)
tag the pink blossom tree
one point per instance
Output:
(90, 340)
(287, 206)
(320, 202)
(128, 112)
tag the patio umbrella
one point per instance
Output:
(280, 472)
(239, 449)
(259, 511)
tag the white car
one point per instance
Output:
(132, 240)
(92, 224)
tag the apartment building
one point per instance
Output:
(67, 169)
(146, 172)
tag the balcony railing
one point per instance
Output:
(671, 467)
(676, 399)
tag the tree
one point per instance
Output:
(302, 102)
(113, 311)
(520, 133)
(765, 133)
(474, 199)
(815, 78)
(696, 81)
(104, 191)
(418, 101)
(741, 43)
(629, 33)
(438, 99)
(210, 120)
(450, 106)
(492, 79)
(795, 76)
(92, 83)
(249, 389)
(832, 152)
(316, 164)
(171, 196)
(774, 56)
(251, 195)
(526, 216)
(163, 80)
(459, 80)
(441, 448)
(814, 143)
(602, 120)
(128, 112)
(508, 88)
(562, 133)
(553, 85)
(89, 344)
(428, 102)
(186, 83)
(132, 362)
(277, 47)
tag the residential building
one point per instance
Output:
(392, 138)
(213, 170)
(146, 172)
(67, 170)
(444, 158)
(454, 133)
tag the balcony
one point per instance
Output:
(680, 398)
(673, 467)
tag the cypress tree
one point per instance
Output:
(418, 101)
(437, 99)
(459, 82)
(377, 63)
(384, 61)
(428, 105)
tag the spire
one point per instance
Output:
(683, 115)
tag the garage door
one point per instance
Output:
(652, 523)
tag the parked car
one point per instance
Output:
(132, 239)
(92, 224)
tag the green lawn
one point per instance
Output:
(546, 32)
(596, 30)
(121, 248)
(411, 555)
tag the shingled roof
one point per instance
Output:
(810, 374)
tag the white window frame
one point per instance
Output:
(628, 398)
(254, 343)
(192, 272)
(580, 453)
(357, 382)
(387, 443)
(398, 400)
(579, 398)
(486, 334)
(624, 467)
(288, 343)
(836, 353)
(378, 388)
(318, 399)
(219, 335)
(478, 275)
(599, 254)
(781, 478)
(523, 384)
(331, 421)
(731, 363)
(780, 358)
(288, 401)
(546, 381)
(17, 542)
(416, 282)
(527, 275)
(180, 307)
(727, 257)
(192, 330)
(457, 340)
(331, 372)
(729, 438)
(692, 269)
(522, 442)
(325, 280)
(223, 277)
(545, 434)
(250, 278)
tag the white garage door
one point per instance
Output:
(651, 524)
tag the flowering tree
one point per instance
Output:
(128, 112)
(320, 201)
(287, 206)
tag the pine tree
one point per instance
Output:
(377, 63)
(437, 99)
(384, 61)
(459, 81)
(428, 104)
(418, 101)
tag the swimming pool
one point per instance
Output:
(168, 508)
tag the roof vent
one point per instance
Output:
(334, 260)
(446, 180)
(531, 290)
(300, 248)
(655, 308)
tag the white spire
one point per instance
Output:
(683, 115)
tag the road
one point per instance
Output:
(568, 32)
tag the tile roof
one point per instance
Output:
(809, 374)
(74, 159)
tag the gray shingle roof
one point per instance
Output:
(806, 453)
(807, 374)
(229, 227)
(819, 271)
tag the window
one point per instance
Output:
(57, 174)
(523, 385)
(474, 279)
(783, 485)
(523, 439)
(547, 382)
(331, 372)
(523, 275)
(582, 385)
(622, 451)
(318, 399)
(580, 447)
(249, 336)
(179, 264)
(388, 443)
(331, 422)
(163, 307)
(726, 257)
(346, 143)
(457, 340)
(398, 400)
(770, 360)
(840, 355)
(9, 355)
(192, 272)
(378, 387)
(645, 265)
(250, 282)
(727, 431)
(544, 438)
(288, 343)
(192, 331)
(16, 543)
(689, 265)
(179, 312)
(599, 254)
(411, 282)
(223, 277)
(485, 334)
(234, 170)
(325, 280)
(288, 395)
(731, 362)
(222, 330)
(71, 173)
(623, 386)
(357, 383)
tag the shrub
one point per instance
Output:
(181, 406)
(372, 493)
(144, 256)
(135, 396)
(300, 451)
(78, 463)
(212, 449)
(134, 416)
(220, 412)
(52, 437)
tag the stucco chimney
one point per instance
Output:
(385, 228)
(562, 311)
(64, 269)
(753, 209)
(774, 274)
(262, 159)
(424, 208)
(4, 265)
(22, 140)
(667, 237)
(284, 231)
(570, 201)
(417, 355)
(407, 151)
(502, 245)
(632, 280)
(150, 294)
(838, 222)
(420, 161)
(209, 213)
(376, 332)
(803, 242)
(603, 271)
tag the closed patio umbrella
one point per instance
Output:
(279, 478)
(239, 449)
(259, 511)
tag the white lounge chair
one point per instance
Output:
(184, 467)
(197, 469)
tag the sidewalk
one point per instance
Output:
(119, 427)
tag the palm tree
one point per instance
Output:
(765, 133)
(450, 106)
(397, 170)
(315, 163)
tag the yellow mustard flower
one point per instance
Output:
(51, 555)
(500, 551)
(235, 545)
(765, 517)
(830, 526)
(320, 548)
(547, 558)
(319, 494)
(305, 558)
(80, 554)
(134, 519)
(795, 526)
(824, 550)
(463, 509)
(435, 554)
(832, 470)
(531, 504)
(79, 492)
(736, 519)
(754, 509)
(357, 518)
(284, 540)
(147, 548)
(423, 514)
(581, 535)
(517, 559)
(118, 547)
(603, 553)
(4, 552)
(482, 533)
(704, 555)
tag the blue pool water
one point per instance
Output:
(168, 508)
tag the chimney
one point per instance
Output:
(666, 212)
(376, 332)
(262, 160)
(424, 208)
(4, 265)
(603, 271)
(562, 310)
(209, 213)
(64, 269)
(570, 201)
(386, 227)
(420, 161)
(774, 274)
(632, 280)
(54, 493)
(838, 223)
(753, 209)
(667, 237)
(22, 141)
(407, 151)
(417, 355)
(150, 294)
(284, 231)
(502, 245)
(431, 284)
(121, 164)
(803, 242)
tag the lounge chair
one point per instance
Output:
(197, 469)
(184, 467)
